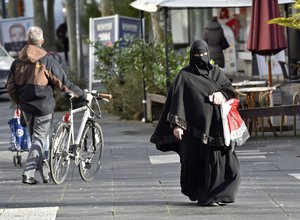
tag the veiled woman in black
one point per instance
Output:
(191, 125)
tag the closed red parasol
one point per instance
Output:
(266, 39)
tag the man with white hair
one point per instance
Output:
(33, 77)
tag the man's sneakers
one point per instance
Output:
(29, 180)
(32, 180)
(44, 170)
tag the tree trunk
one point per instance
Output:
(107, 8)
(40, 20)
(51, 26)
(158, 33)
(71, 23)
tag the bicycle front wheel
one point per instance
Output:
(91, 149)
(59, 153)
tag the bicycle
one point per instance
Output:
(85, 149)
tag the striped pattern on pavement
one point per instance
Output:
(174, 158)
(35, 213)
(296, 175)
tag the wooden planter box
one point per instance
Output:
(155, 104)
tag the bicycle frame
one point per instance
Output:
(86, 116)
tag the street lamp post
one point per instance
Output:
(166, 47)
(143, 68)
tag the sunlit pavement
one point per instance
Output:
(138, 182)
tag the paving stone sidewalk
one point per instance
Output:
(138, 182)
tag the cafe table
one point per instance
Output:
(260, 93)
(246, 83)
(252, 92)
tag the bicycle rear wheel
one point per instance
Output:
(91, 149)
(59, 153)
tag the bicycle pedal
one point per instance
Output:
(73, 149)
(87, 166)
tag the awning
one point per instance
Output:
(154, 5)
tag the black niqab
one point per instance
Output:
(201, 62)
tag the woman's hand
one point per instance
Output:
(178, 132)
(217, 98)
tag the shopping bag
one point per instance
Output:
(18, 139)
(234, 128)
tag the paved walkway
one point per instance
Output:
(138, 182)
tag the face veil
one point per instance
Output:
(199, 55)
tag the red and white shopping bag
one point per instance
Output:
(235, 130)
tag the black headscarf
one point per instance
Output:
(201, 62)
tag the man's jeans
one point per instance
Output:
(39, 127)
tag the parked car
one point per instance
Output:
(5, 63)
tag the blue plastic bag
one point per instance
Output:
(18, 139)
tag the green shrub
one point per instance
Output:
(124, 69)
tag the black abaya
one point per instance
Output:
(209, 173)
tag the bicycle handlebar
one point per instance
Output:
(102, 96)
(105, 95)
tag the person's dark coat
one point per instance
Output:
(214, 37)
(32, 79)
(209, 172)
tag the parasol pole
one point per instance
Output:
(270, 71)
(270, 84)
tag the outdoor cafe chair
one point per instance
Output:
(290, 94)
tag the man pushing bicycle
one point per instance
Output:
(33, 77)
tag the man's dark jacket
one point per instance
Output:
(33, 77)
